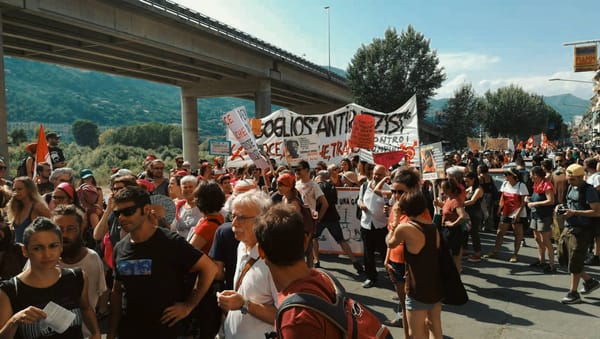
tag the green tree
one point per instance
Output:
(460, 116)
(18, 136)
(386, 73)
(86, 133)
(512, 112)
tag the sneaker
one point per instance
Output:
(571, 298)
(474, 258)
(593, 261)
(358, 267)
(549, 269)
(393, 323)
(589, 286)
(513, 259)
(491, 255)
(523, 243)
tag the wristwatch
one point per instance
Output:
(244, 308)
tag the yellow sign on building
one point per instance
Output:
(586, 58)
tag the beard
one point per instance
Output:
(71, 249)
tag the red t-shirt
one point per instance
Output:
(449, 210)
(301, 322)
(206, 228)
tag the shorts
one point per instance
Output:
(413, 304)
(572, 248)
(541, 225)
(397, 275)
(334, 229)
(509, 220)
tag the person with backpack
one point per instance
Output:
(331, 222)
(582, 205)
(282, 242)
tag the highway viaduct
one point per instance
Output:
(160, 41)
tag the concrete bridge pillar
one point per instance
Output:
(3, 113)
(262, 98)
(189, 127)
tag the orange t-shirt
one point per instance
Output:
(397, 253)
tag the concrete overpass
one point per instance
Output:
(160, 41)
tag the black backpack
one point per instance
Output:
(22, 169)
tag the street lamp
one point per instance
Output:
(328, 40)
(571, 80)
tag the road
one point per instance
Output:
(506, 300)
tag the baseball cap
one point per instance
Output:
(52, 135)
(575, 170)
(86, 173)
(287, 179)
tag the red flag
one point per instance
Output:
(544, 141)
(520, 145)
(41, 153)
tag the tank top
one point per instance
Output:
(423, 280)
(474, 208)
(20, 228)
(66, 292)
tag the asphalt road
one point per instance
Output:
(507, 300)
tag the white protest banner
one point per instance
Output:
(237, 122)
(287, 136)
(346, 208)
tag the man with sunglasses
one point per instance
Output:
(150, 265)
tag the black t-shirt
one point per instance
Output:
(66, 292)
(152, 276)
(56, 155)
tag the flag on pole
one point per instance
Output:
(41, 152)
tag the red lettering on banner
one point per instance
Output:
(237, 153)
(274, 149)
(239, 134)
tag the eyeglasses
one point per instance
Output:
(127, 211)
(2, 168)
(241, 218)
(59, 197)
(397, 191)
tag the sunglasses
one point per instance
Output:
(397, 191)
(128, 211)
(2, 167)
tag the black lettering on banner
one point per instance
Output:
(308, 124)
(267, 129)
(298, 124)
(322, 126)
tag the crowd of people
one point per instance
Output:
(211, 253)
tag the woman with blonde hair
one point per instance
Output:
(26, 204)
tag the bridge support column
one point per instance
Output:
(262, 98)
(3, 113)
(189, 127)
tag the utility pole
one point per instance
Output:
(328, 40)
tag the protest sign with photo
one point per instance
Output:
(432, 161)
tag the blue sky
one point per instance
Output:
(489, 44)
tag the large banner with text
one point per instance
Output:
(289, 137)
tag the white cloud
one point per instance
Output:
(538, 84)
(464, 61)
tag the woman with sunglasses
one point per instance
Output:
(512, 212)
(26, 204)
(542, 207)
(24, 297)
(473, 208)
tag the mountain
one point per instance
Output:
(47, 93)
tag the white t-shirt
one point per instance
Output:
(310, 193)
(594, 179)
(511, 193)
(258, 287)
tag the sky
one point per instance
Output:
(487, 43)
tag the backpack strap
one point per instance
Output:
(334, 312)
